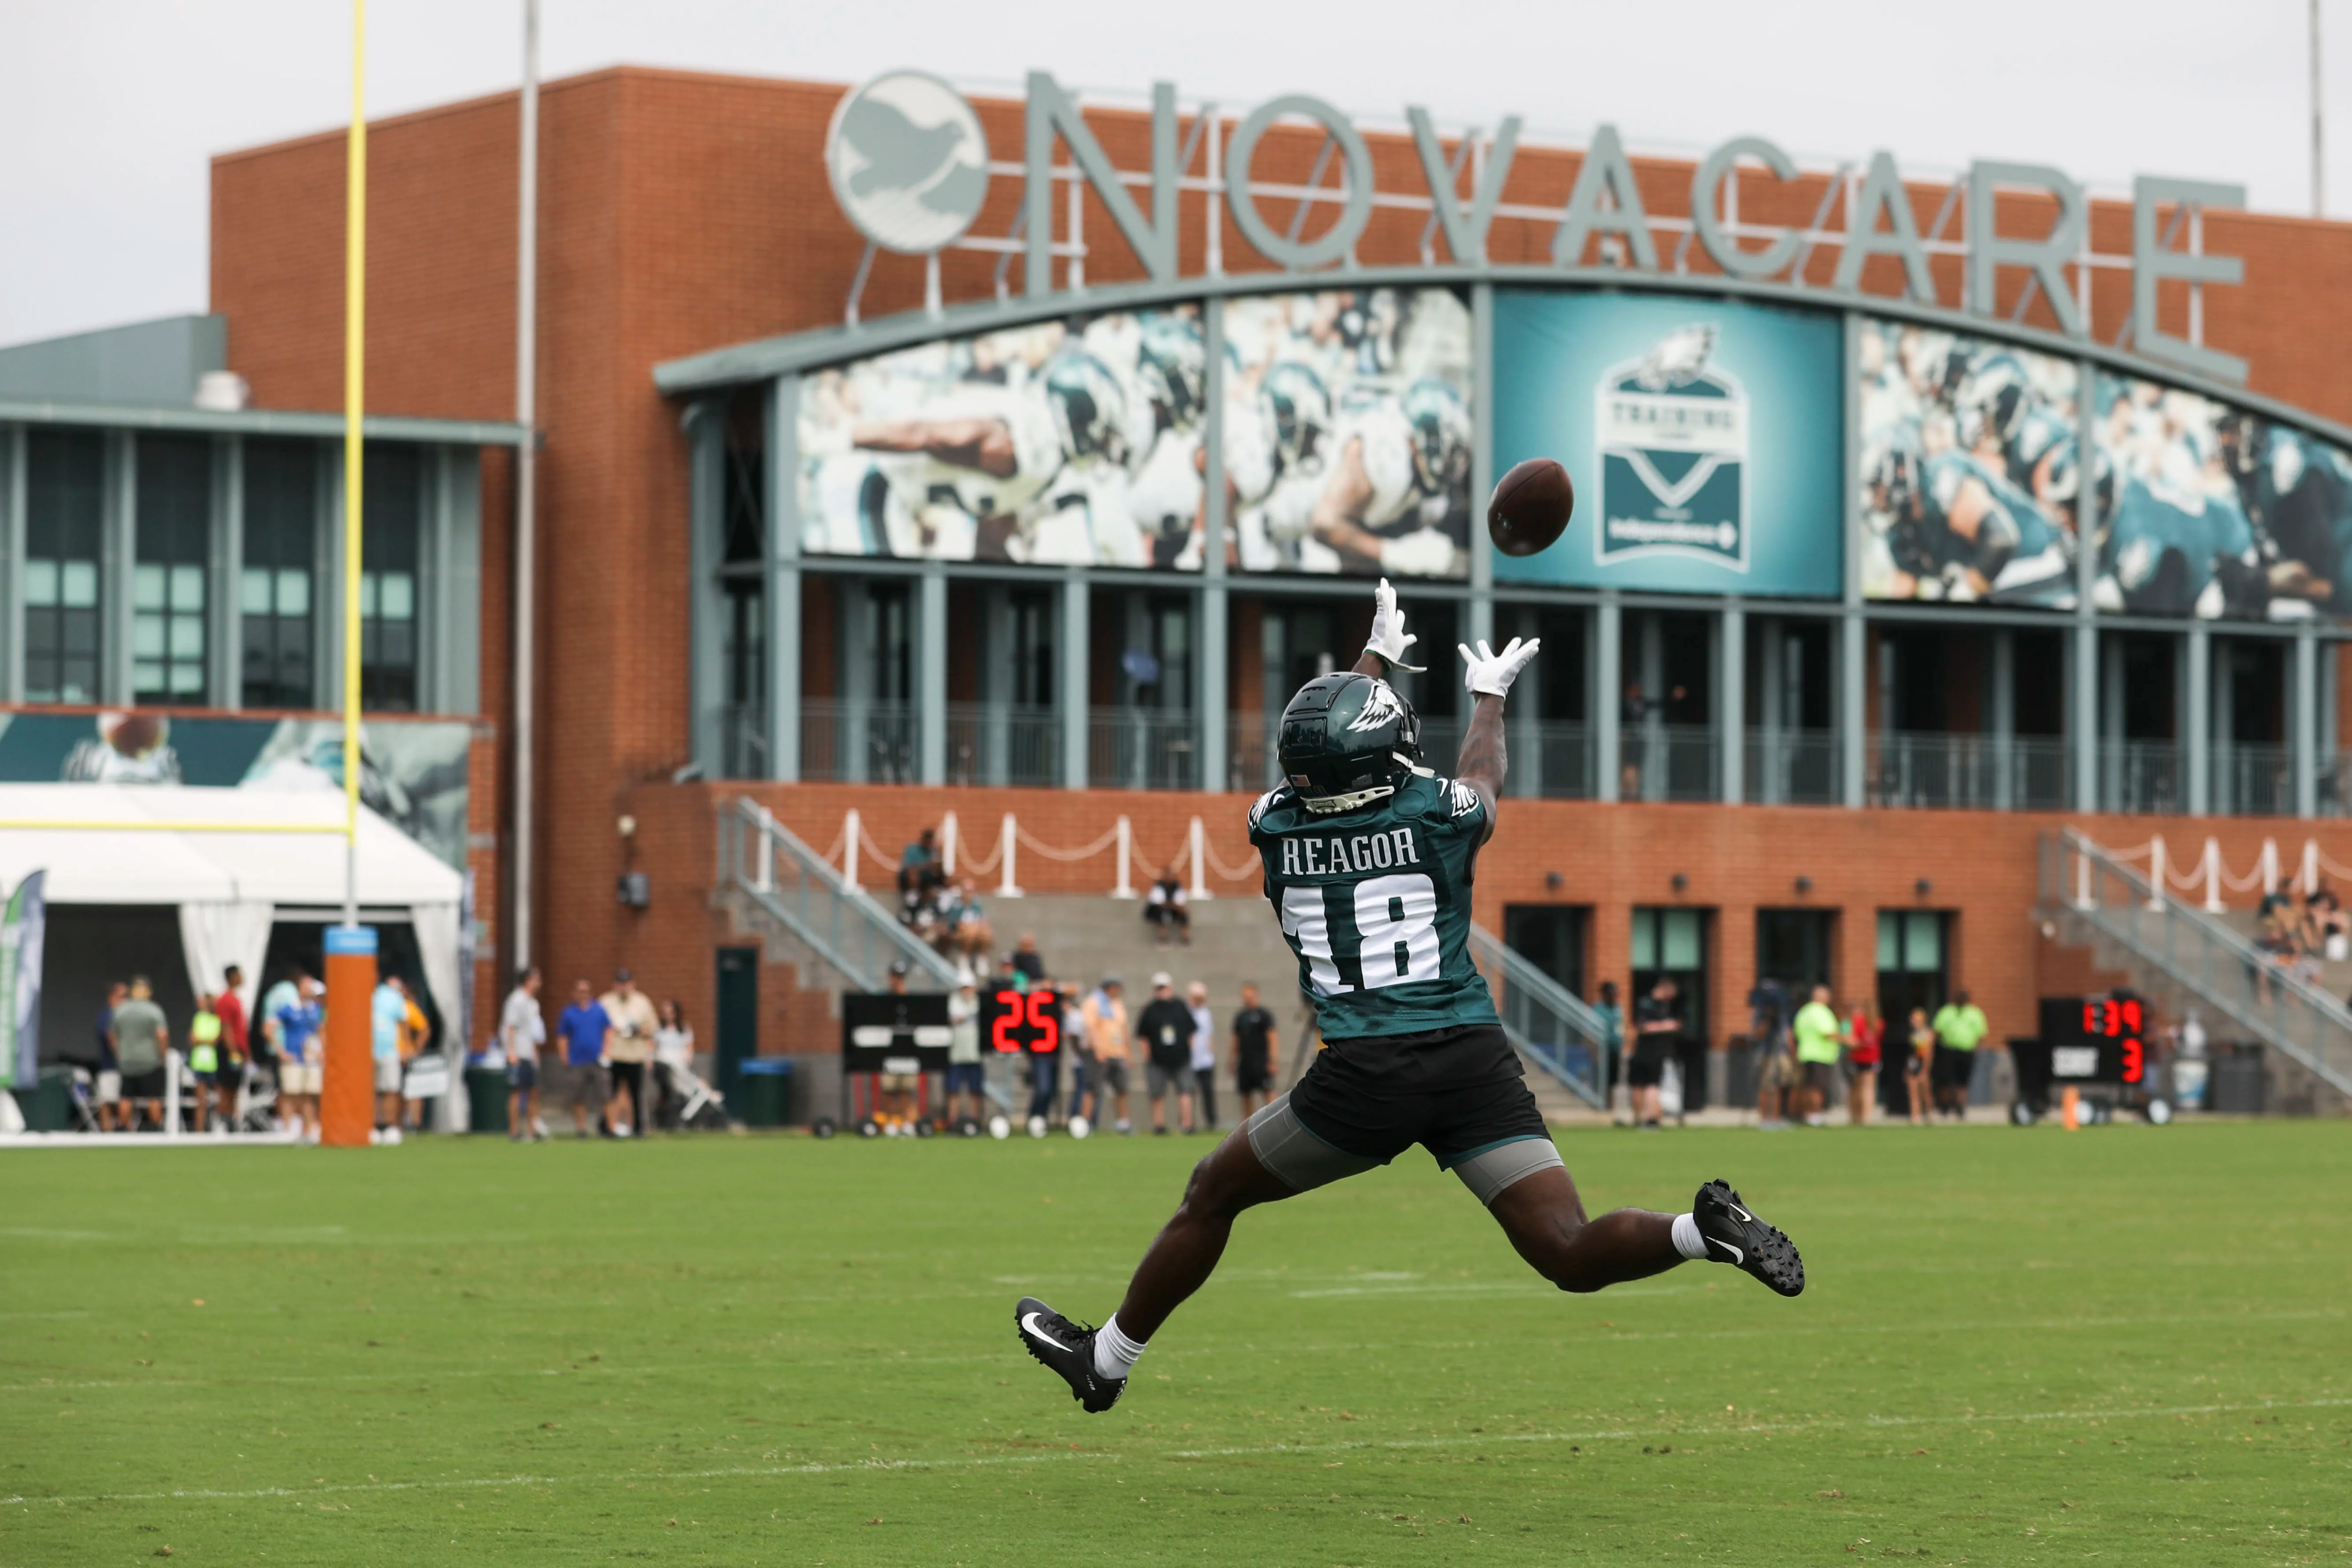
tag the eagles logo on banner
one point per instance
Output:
(1673, 438)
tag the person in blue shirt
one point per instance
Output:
(299, 1057)
(585, 1029)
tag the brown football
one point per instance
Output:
(1530, 507)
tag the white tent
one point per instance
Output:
(211, 852)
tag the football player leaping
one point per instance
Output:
(1367, 860)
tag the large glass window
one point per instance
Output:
(168, 578)
(1914, 963)
(743, 634)
(1671, 944)
(65, 521)
(274, 587)
(390, 574)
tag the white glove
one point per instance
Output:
(1425, 552)
(1490, 674)
(1389, 638)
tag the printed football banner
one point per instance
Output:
(1348, 433)
(1703, 437)
(1066, 443)
(2212, 512)
(1969, 470)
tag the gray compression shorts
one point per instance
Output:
(1304, 1162)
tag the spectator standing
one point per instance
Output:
(1105, 1031)
(522, 1029)
(1612, 1032)
(1079, 1049)
(1917, 1065)
(140, 1038)
(898, 1089)
(236, 1048)
(1166, 912)
(631, 1013)
(108, 1072)
(300, 1052)
(387, 1010)
(1817, 1033)
(204, 1056)
(1204, 1054)
(1254, 1048)
(415, 1038)
(1026, 959)
(1657, 1024)
(1165, 1028)
(673, 1060)
(586, 1031)
(1960, 1028)
(965, 1077)
(1865, 1033)
(1776, 1073)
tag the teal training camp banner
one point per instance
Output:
(1703, 437)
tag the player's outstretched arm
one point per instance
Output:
(1484, 759)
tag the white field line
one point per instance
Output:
(1274, 1450)
(876, 1360)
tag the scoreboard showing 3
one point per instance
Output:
(1016, 1022)
(2097, 1040)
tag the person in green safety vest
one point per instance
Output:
(1960, 1028)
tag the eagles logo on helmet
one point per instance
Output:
(1346, 740)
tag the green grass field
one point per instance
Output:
(2123, 1345)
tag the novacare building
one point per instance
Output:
(908, 454)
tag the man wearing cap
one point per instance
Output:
(1166, 1030)
(964, 1072)
(1106, 1016)
(634, 1023)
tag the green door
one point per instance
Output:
(738, 1014)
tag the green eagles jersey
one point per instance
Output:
(1376, 903)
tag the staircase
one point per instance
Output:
(779, 890)
(2178, 954)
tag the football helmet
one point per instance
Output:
(1441, 436)
(1090, 407)
(1347, 739)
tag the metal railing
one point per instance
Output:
(2253, 779)
(1669, 762)
(789, 893)
(1143, 748)
(1003, 744)
(1551, 1025)
(1792, 767)
(743, 741)
(847, 741)
(2140, 777)
(1970, 772)
(2172, 947)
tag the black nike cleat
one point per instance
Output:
(1734, 1236)
(1069, 1350)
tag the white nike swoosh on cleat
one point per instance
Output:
(1029, 1326)
(1745, 1216)
(1737, 1255)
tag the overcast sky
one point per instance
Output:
(109, 109)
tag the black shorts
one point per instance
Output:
(143, 1085)
(1647, 1068)
(1252, 1077)
(1953, 1068)
(1454, 1093)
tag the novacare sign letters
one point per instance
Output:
(909, 164)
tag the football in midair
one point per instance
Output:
(1530, 507)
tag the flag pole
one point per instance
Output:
(347, 1094)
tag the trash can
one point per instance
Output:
(767, 1090)
(2235, 1087)
(486, 1099)
(47, 1104)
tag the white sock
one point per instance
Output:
(1115, 1353)
(1688, 1240)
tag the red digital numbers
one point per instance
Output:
(2135, 1061)
(1030, 1023)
